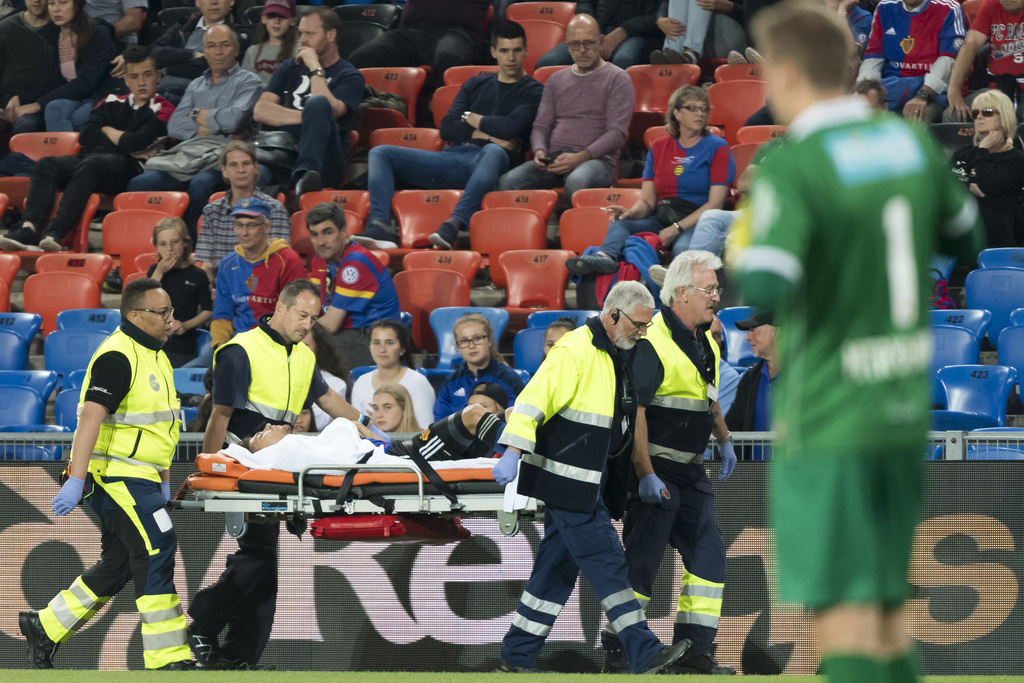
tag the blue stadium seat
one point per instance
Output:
(523, 374)
(1011, 349)
(25, 325)
(65, 408)
(944, 264)
(28, 452)
(362, 370)
(188, 413)
(104, 319)
(979, 389)
(528, 348)
(405, 318)
(13, 351)
(75, 380)
(542, 319)
(441, 321)
(203, 341)
(189, 380)
(68, 350)
(1017, 316)
(21, 405)
(737, 348)
(999, 290)
(1005, 257)
(974, 320)
(43, 381)
(996, 450)
(952, 346)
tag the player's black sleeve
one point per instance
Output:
(110, 380)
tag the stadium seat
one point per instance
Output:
(978, 389)
(384, 15)
(442, 100)
(528, 349)
(102, 319)
(544, 73)
(493, 231)
(68, 350)
(733, 102)
(759, 134)
(5, 298)
(542, 36)
(21, 405)
(603, 196)
(536, 279)
(405, 81)
(975, 321)
(654, 133)
(428, 139)
(50, 293)
(944, 264)
(737, 348)
(582, 228)
(65, 409)
(558, 12)
(75, 380)
(441, 322)
(541, 201)
(361, 370)
(738, 72)
(13, 350)
(144, 261)
(952, 136)
(170, 16)
(1011, 349)
(541, 319)
(131, 277)
(9, 267)
(170, 203)
(96, 266)
(951, 346)
(3, 203)
(355, 34)
(743, 154)
(421, 291)
(24, 325)
(39, 145)
(77, 240)
(653, 85)
(356, 201)
(1016, 316)
(1006, 257)
(457, 75)
(1012, 449)
(126, 234)
(420, 212)
(189, 380)
(41, 381)
(999, 290)
(465, 263)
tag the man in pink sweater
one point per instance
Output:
(582, 121)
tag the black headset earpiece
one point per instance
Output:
(615, 317)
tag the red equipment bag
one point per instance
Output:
(374, 527)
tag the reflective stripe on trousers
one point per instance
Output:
(69, 610)
(163, 630)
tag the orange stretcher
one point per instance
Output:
(360, 502)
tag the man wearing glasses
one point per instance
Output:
(127, 434)
(678, 410)
(582, 121)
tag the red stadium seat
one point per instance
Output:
(541, 201)
(465, 263)
(743, 154)
(127, 234)
(653, 85)
(50, 293)
(442, 101)
(96, 266)
(738, 72)
(541, 36)
(39, 145)
(582, 228)
(457, 75)
(356, 201)
(416, 138)
(733, 102)
(9, 267)
(405, 81)
(603, 196)
(422, 290)
(544, 73)
(420, 212)
(759, 134)
(536, 281)
(558, 12)
(77, 240)
(171, 203)
(144, 261)
(493, 231)
(654, 133)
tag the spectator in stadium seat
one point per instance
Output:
(313, 97)
(356, 289)
(26, 70)
(215, 107)
(582, 121)
(690, 167)
(487, 126)
(475, 340)
(126, 16)
(750, 408)
(555, 331)
(992, 26)
(993, 169)
(240, 170)
(250, 279)
(277, 39)
(332, 368)
(911, 50)
(391, 409)
(179, 51)
(116, 138)
(630, 29)
(441, 33)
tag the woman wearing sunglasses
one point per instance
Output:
(993, 169)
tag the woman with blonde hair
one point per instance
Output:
(993, 169)
(187, 286)
(474, 338)
(392, 409)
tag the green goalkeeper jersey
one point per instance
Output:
(844, 220)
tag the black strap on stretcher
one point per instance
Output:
(425, 467)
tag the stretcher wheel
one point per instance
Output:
(235, 524)
(508, 522)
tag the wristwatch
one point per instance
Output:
(926, 95)
(465, 116)
(319, 72)
(194, 113)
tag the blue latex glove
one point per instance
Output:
(728, 460)
(507, 468)
(165, 488)
(652, 489)
(69, 496)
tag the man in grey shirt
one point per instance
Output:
(126, 16)
(216, 105)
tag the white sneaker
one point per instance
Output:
(753, 56)
(49, 243)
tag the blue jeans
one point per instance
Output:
(630, 52)
(320, 148)
(199, 190)
(593, 173)
(696, 20)
(709, 233)
(477, 169)
(67, 115)
(29, 123)
(620, 230)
